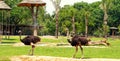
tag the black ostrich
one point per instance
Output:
(78, 41)
(30, 40)
(81, 41)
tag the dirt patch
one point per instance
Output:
(18, 44)
(49, 37)
(45, 44)
(58, 45)
(96, 46)
(49, 58)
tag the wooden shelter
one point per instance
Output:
(113, 31)
(4, 6)
(33, 5)
(14, 29)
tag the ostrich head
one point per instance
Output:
(69, 40)
(73, 42)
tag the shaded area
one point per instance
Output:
(14, 29)
(8, 42)
(8, 39)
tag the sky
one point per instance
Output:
(50, 7)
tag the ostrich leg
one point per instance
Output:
(75, 51)
(31, 52)
(33, 46)
(81, 51)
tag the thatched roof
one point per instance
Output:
(114, 28)
(4, 6)
(30, 3)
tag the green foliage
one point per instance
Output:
(65, 18)
(114, 14)
(100, 32)
(119, 28)
(95, 20)
(16, 12)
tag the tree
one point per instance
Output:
(73, 13)
(65, 20)
(68, 20)
(114, 14)
(84, 8)
(105, 5)
(87, 14)
(56, 4)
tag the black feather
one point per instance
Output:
(76, 40)
(30, 39)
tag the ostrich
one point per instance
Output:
(79, 41)
(30, 40)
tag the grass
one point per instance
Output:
(14, 39)
(7, 51)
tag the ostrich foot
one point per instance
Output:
(30, 54)
(73, 56)
(82, 57)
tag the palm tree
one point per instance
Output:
(56, 4)
(87, 13)
(105, 5)
(73, 13)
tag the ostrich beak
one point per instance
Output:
(69, 40)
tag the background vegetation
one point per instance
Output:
(82, 11)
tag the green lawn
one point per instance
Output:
(13, 39)
(7, 51)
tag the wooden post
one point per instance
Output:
(33, 10)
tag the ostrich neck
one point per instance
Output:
(20, 37)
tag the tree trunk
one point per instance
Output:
(56, 32)
(86, 26)
(56, 4)
(73, 25)
(105, 23)
(67, 33)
